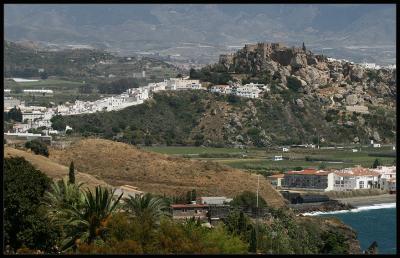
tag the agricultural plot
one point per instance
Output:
(258, 159)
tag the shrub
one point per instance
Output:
(293, 83)
(24, 223)
(37, 147)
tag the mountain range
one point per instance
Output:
(202, 31)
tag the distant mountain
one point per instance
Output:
(168, 28)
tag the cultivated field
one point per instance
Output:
(259, 159)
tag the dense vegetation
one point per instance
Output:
(67, 217)
(173, 118)
(25, 223)
(37, 147)
(206, 74)
(118, 86)
(14, 114)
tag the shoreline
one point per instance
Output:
(360, 201)
(340, 205)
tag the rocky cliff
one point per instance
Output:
(350, 84)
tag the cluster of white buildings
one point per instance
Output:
(250, 90)
(366, 65)
(35, 116)
(347, 179)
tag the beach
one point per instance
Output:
(368, 200)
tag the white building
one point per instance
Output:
(21, 128)
(214, 200)
(183, 83)
(32, 115)
(37, 91)
(224, 89)
(388, 184)
(10, 102)
(284, 149)
(276, 158)
(355, 178)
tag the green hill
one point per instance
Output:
(202, 118)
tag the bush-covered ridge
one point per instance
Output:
(201, 118)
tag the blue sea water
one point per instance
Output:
(372, 223)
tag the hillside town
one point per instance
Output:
(34, 117)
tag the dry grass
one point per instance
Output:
(52, 169)
(119, 163)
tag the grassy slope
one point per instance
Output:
(119, 163)
(52, 169)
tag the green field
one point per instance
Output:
(51, 84)
(257, 159)
(64, 90)
(191, 150)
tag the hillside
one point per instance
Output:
(24, 60)
(119, 164)
(52, 169)
(201, 118)
(201, 32)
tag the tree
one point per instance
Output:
(293, 83)
(146, 207)
(253, 241)
(17, 90)
(44, 75)
(85, 222)
(322, 165)
(24, 222)
(38, 147)
(71, 173)
(58, 123)
(334, 243)
(148, 210)
(248, 201)
(376, 163)
(86, 89)
(14, 114)
(304, 47)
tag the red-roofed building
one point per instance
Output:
(355, 178)
(308, 179)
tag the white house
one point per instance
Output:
(224, 89)
(377, 145)
(184, 83)
(279, 157)
(284, 149)
(214, 200)
(32, 115)
(355, 178)
(388, 184)
(354, 150)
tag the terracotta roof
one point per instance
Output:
(309, 172)
(188, 206)
(357, 171)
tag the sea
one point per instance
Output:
(372, 223)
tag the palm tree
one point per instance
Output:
(62, 195)
(146, 207)
(91, 221)
(85, 219)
